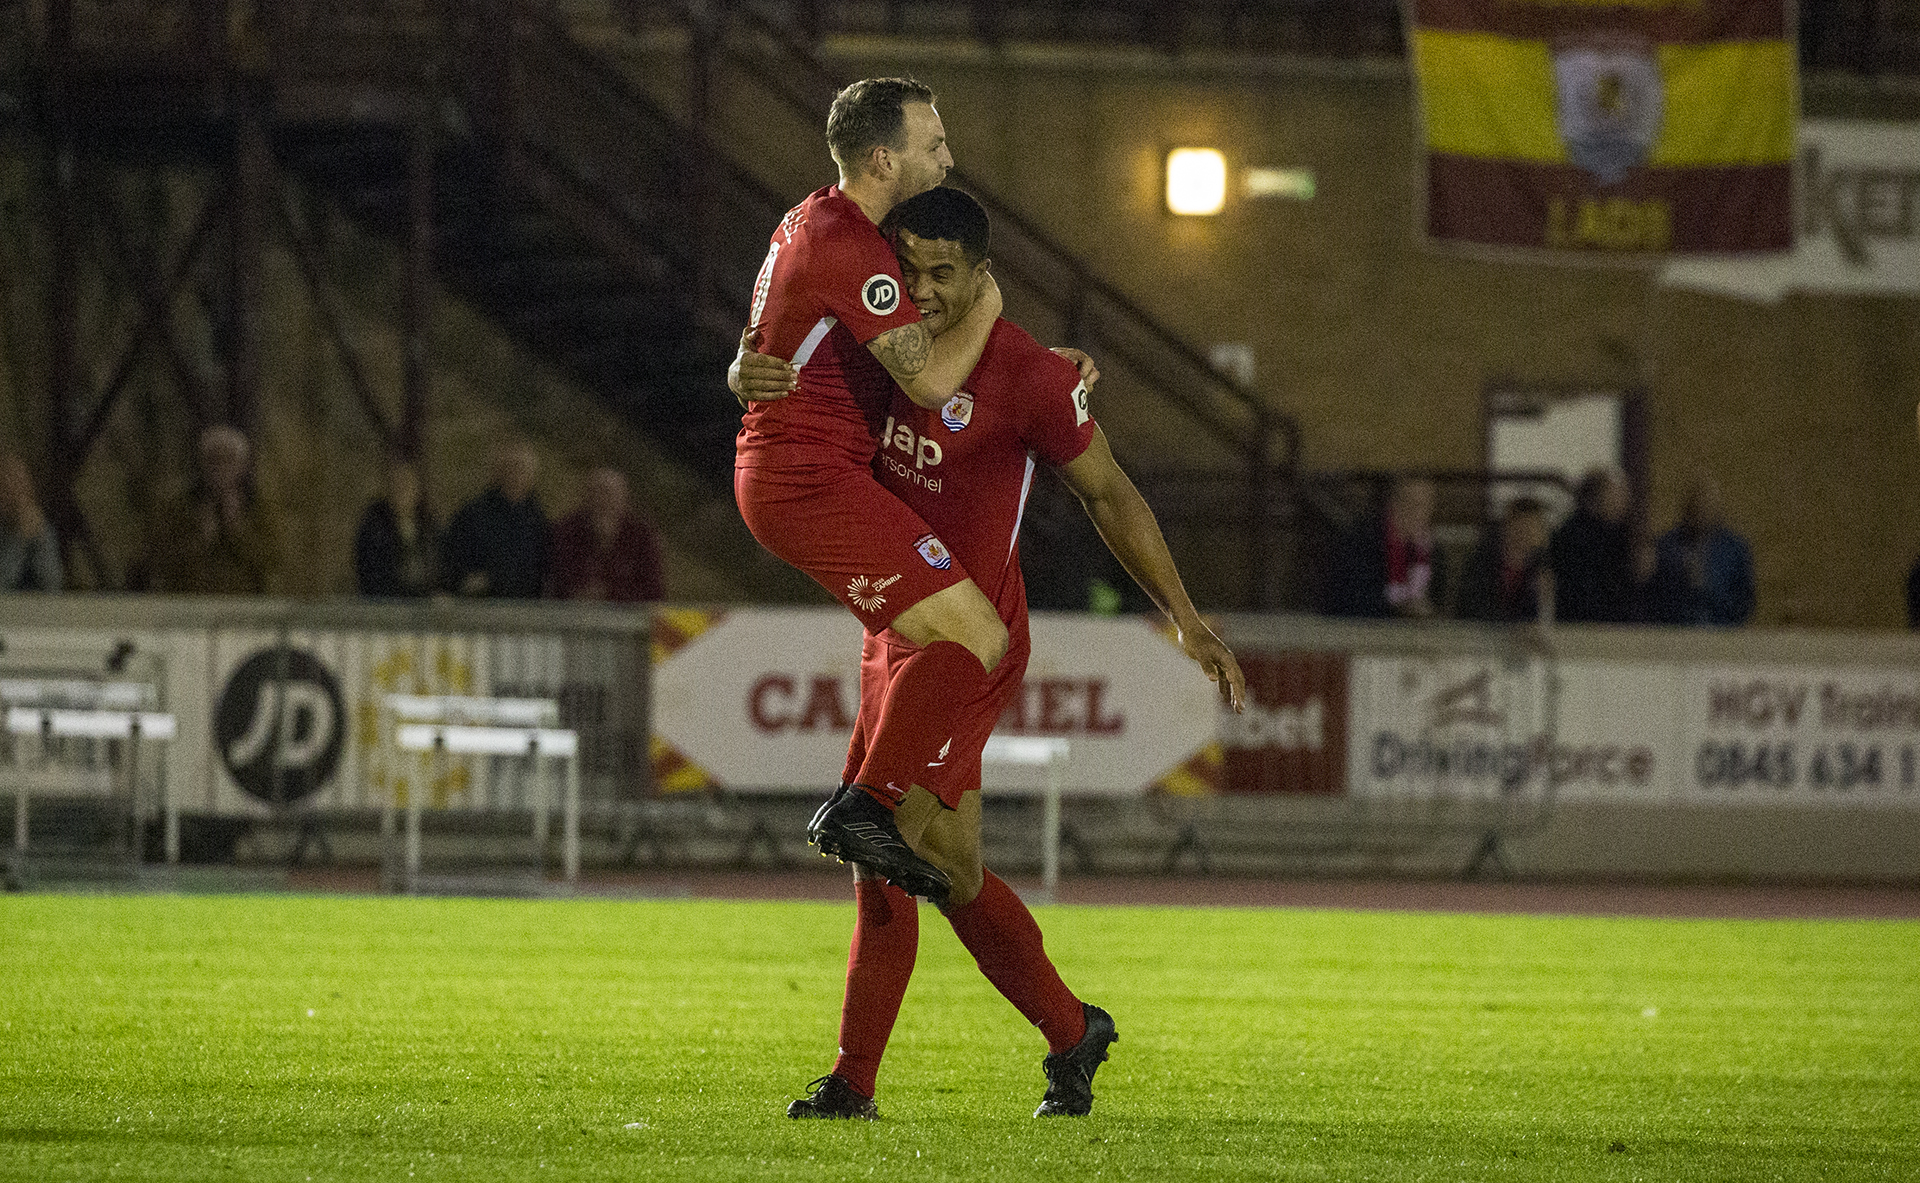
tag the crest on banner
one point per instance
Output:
(1609, 100)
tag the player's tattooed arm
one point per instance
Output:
(904, 351)
(1126, 524)
(759, 377)
(931, 369)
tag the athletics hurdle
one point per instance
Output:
(449, 725)
(1053, 754)
(78, 708)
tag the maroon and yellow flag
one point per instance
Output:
(1609, 127)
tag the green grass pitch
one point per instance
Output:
(267, 1038)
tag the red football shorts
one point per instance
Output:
(849, 535)
(957, 770)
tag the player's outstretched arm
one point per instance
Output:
(931, 369)
(759, 377)
(1127, 526)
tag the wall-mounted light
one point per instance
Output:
(1196, 180)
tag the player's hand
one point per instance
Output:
(759, 377)
(1089, 373)
(990, 299)
(1200, 643)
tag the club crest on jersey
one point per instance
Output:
(935, 552)
(881, 294)
(958, 412)
(865, 592)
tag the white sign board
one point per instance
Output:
(1647, 731)
(300, 725)
(1492, 729)
(1802, 736)
(1857, 213)
(766, 700)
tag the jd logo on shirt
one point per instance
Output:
(881, 294)
(280, 710)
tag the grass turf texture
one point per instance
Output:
(285, 1038)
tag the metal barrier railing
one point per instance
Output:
(1388, 746)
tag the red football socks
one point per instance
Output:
(886, 938)
(917, 720)
(1005, 940)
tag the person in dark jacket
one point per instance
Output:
(604, 550)
(1913, 595)
(1507, 577)
(1592, 554)
(1703, 571)
(1389, 566)
(219, 536)
(396, 552)
(29, 552)
(497, 544)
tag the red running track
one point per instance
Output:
(1767, 901)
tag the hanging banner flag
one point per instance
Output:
(1607, 127)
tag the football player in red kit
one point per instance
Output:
(966, 468)
(829, 299)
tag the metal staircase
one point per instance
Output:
(521, 167)
(560, 208)
(1244, 503)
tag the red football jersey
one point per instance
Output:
(966, 468)
(830, 284)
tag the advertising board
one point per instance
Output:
(765, 700)
(1800, 735)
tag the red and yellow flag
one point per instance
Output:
(1608, 127)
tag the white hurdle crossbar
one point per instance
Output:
(459, 726)
(89, 710)
(1035, 751)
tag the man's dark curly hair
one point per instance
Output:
(943, 214)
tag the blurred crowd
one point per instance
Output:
(1600, 565)
(220, 537)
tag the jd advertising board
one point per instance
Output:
(268, 720)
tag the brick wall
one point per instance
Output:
(1803, 410)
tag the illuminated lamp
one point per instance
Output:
(1196, 181)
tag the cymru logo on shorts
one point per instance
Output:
(865, 592)
(958, 412)
(935, 552)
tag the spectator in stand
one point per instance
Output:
(1389, 566)
(604, 550)
(1913, 595)
(497, 543)
(220, 537)
(396, 552)
(29, 552)
(1593, 554)
(1507, 578)
(1703, 571)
